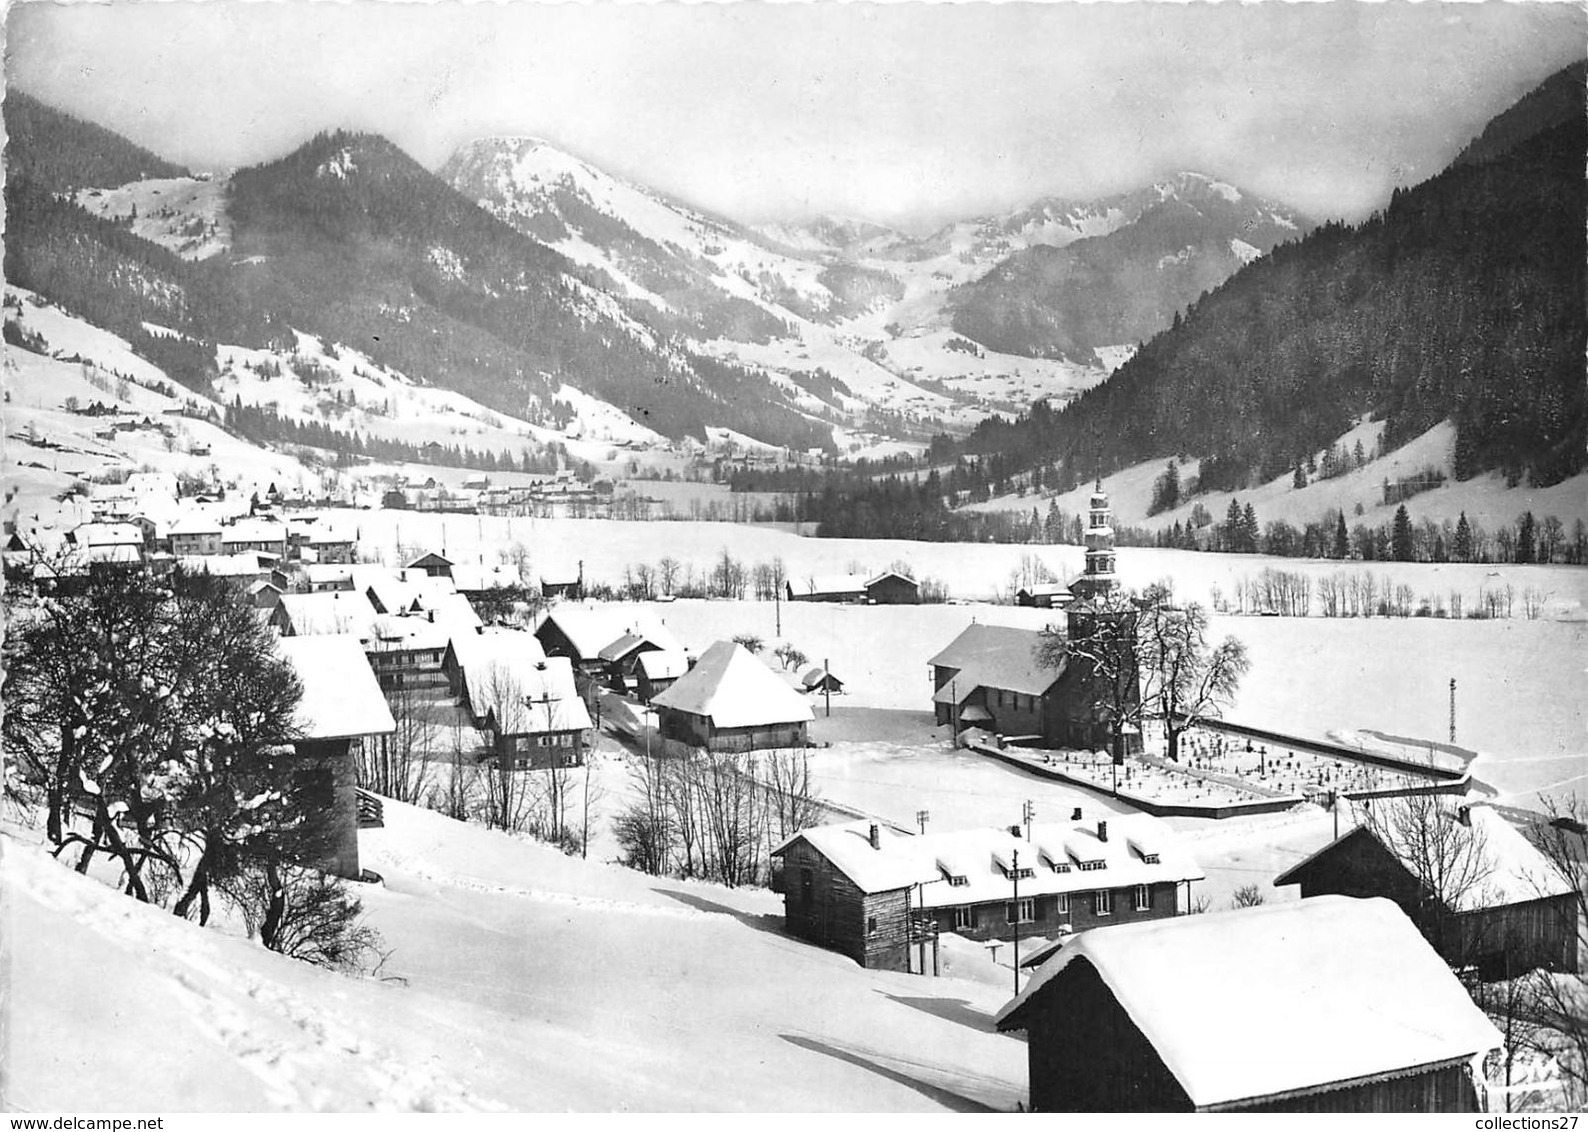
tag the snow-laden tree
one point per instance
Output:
(1185, 677)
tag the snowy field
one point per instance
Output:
(532, 981)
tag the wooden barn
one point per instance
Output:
(434, 565)
(1500, 906)
(595, 638)
(843, 890)
(837, 588)
(730, 701)
(818, 679)
(1044, 595)
(658, 670)
(342, 708)
(1327, 1005)
(892, 588)
(987, 883)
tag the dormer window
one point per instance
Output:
(1019, 874)
(958, 882)
(1092, 866)
(1150, 858)
(1061, 866)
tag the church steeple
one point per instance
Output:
(1099, 578)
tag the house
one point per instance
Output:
(405, 653)
(892, 588)
(563, 583)
(244, 568)
(818, 679)
(328, 577)
(386, 592)
(1044, 595)
(329, 545)
(470, 657)
(322, 614)
(584, 633)
(658, 670)
(266, 535)
(341, 708)
(108, 542)
(1327, 1005)
(264, 595)
(475, 581)
(433, 564)
(532, 712)
(979, 883)
(730, 701)
(195, 533)
(992, 677)
(1474, 885)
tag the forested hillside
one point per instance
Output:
(1463, 299)
(60, 153)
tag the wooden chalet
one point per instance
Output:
(818, 679)
(266, 535)
(730, 701)
(1328, 1005)
(324, 614)
(563, 585)
(342, 708)
(990, 677)
(980, 883)
(658, 670)
(531, 712)
(469, 656)
(405, 653)
(1044, 595)
(195, 533)
(892, 588)
(327, 577)
(1504, 909)
(329, 545)
(595, 638)
(433, 564)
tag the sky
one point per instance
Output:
(903, 113)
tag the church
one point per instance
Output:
(993, 678)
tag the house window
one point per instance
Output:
(806, 883)
(871, 925)
(1102, 902)
(1143, 898)
(1021, 912)
(958, 882)
(1092, 866)
(1064, 903)
(964, 918)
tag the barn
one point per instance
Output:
(1326, 1005)
(893, 588)
(730, 701)
(342, 707)
(658, 670)
(1044, 595)
(1474, 885)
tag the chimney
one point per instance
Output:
(1102, 831)
(1464, 815)
(1014, 831)
(876, 836)
(1075, 815)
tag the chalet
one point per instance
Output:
(264, 595)
(433, 564)
(330, 546)
(1044, 595)
(405, 653)
(592, 636)
(1327, 1005)
(818, 679)
(265, 535)
(244, 568)
(478, 581)
(991, 677)
(563, 584)
(622, 657)
(341, 708)
(532, 713)
(334, 613)
(469, 656)
(892, 588)
(730, 701)
(1477, 889)
(980, 883)
(328, 577)
(386, 592)
(658, 670)
(108, 542)
(195, 533)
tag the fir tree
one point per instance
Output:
(1401, 536)
(1461, 545)
(1342, 538)
(1526, 539)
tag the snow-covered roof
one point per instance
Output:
(222, 565)
(406, 634)
(839, 584)
(330, 613)
(994, 656)
(255, 530)
(874, 579)
(528, 697)
(734, 689)
(1507, 869)
(326, 573)
(1272, 1000)
(321, 535)
(848, 846)
(107, 534)
(814, 676)
(664, 664)
(430, 558)
(341, 697)
(591, 628)
(380, 584)
(468, 576)
(195, 523)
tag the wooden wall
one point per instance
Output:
(822, 905)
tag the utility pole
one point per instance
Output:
(922, 817)
(777, 604)
(1452, 709)
(1027, 812)
(1015, 862)
(827, 684)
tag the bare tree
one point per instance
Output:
(1105, 647)
(667, 571)
(1184, 678)
(398, 765)
(1559, 999)
(790, 792)
(1449, 862)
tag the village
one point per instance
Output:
(498, 693)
